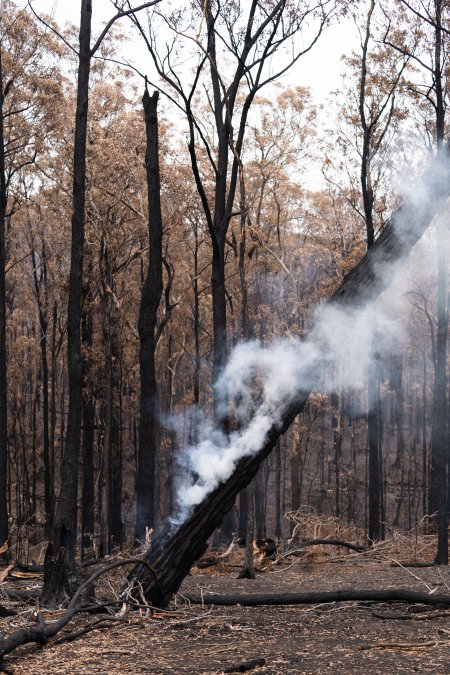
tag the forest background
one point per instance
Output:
(314, 185)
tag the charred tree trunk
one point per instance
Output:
(4, 531)
(55, 347)
(176, 549)
(43, 325)
(375, 505)
(438, 487)
(278, 489)
(64, 533)
(336, 423)
(438, 432)
(87, 498)
(150, 299)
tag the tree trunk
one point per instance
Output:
(278, 489)
(64, 532)
(438, 431)
(151, 295)
(375, 530)
(4, 532)
(87, 498)
(176, 549)
(43, 325)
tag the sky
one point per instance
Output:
(320, 69)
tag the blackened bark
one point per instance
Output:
(55, 347)
(197, 358)
(150, 299)
(43, 326)
(316, 597)
(278, 489)
(424, 412)
(375, 529)
(438, 433)
(4, 530)
(336, 423)
(243, 512)
(219, 311)
(64, 534)
(176, 549)
(260, 506)
(87, 493)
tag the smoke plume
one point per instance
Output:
(262, 383)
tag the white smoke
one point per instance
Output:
(265, 381)
(262, 382)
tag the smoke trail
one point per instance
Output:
(264, 382)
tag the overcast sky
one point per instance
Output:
(320, 69)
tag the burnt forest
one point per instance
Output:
(224, 314)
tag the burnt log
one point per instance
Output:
(177, 548)
(320, 597)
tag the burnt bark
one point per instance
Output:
(438, 486)
(87, 493)
(315, 597)
(64, 534)
(148, 314)
(177, 548)
(43, 326)
(375, 506)
(4, 530)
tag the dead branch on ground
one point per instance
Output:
(44, 632)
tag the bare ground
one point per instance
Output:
(332, 638)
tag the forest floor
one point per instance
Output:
(327, 638)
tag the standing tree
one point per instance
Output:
(425, 39)
(254, 38)
(3, 381)
(372, 110)
(60, 551)
(148, 314)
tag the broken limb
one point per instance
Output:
(177, 548)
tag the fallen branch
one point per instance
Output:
(331, 542)
(405, 645)
(319, 597)
(43, 632)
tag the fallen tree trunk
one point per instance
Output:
(177, 548)
(320, 597)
